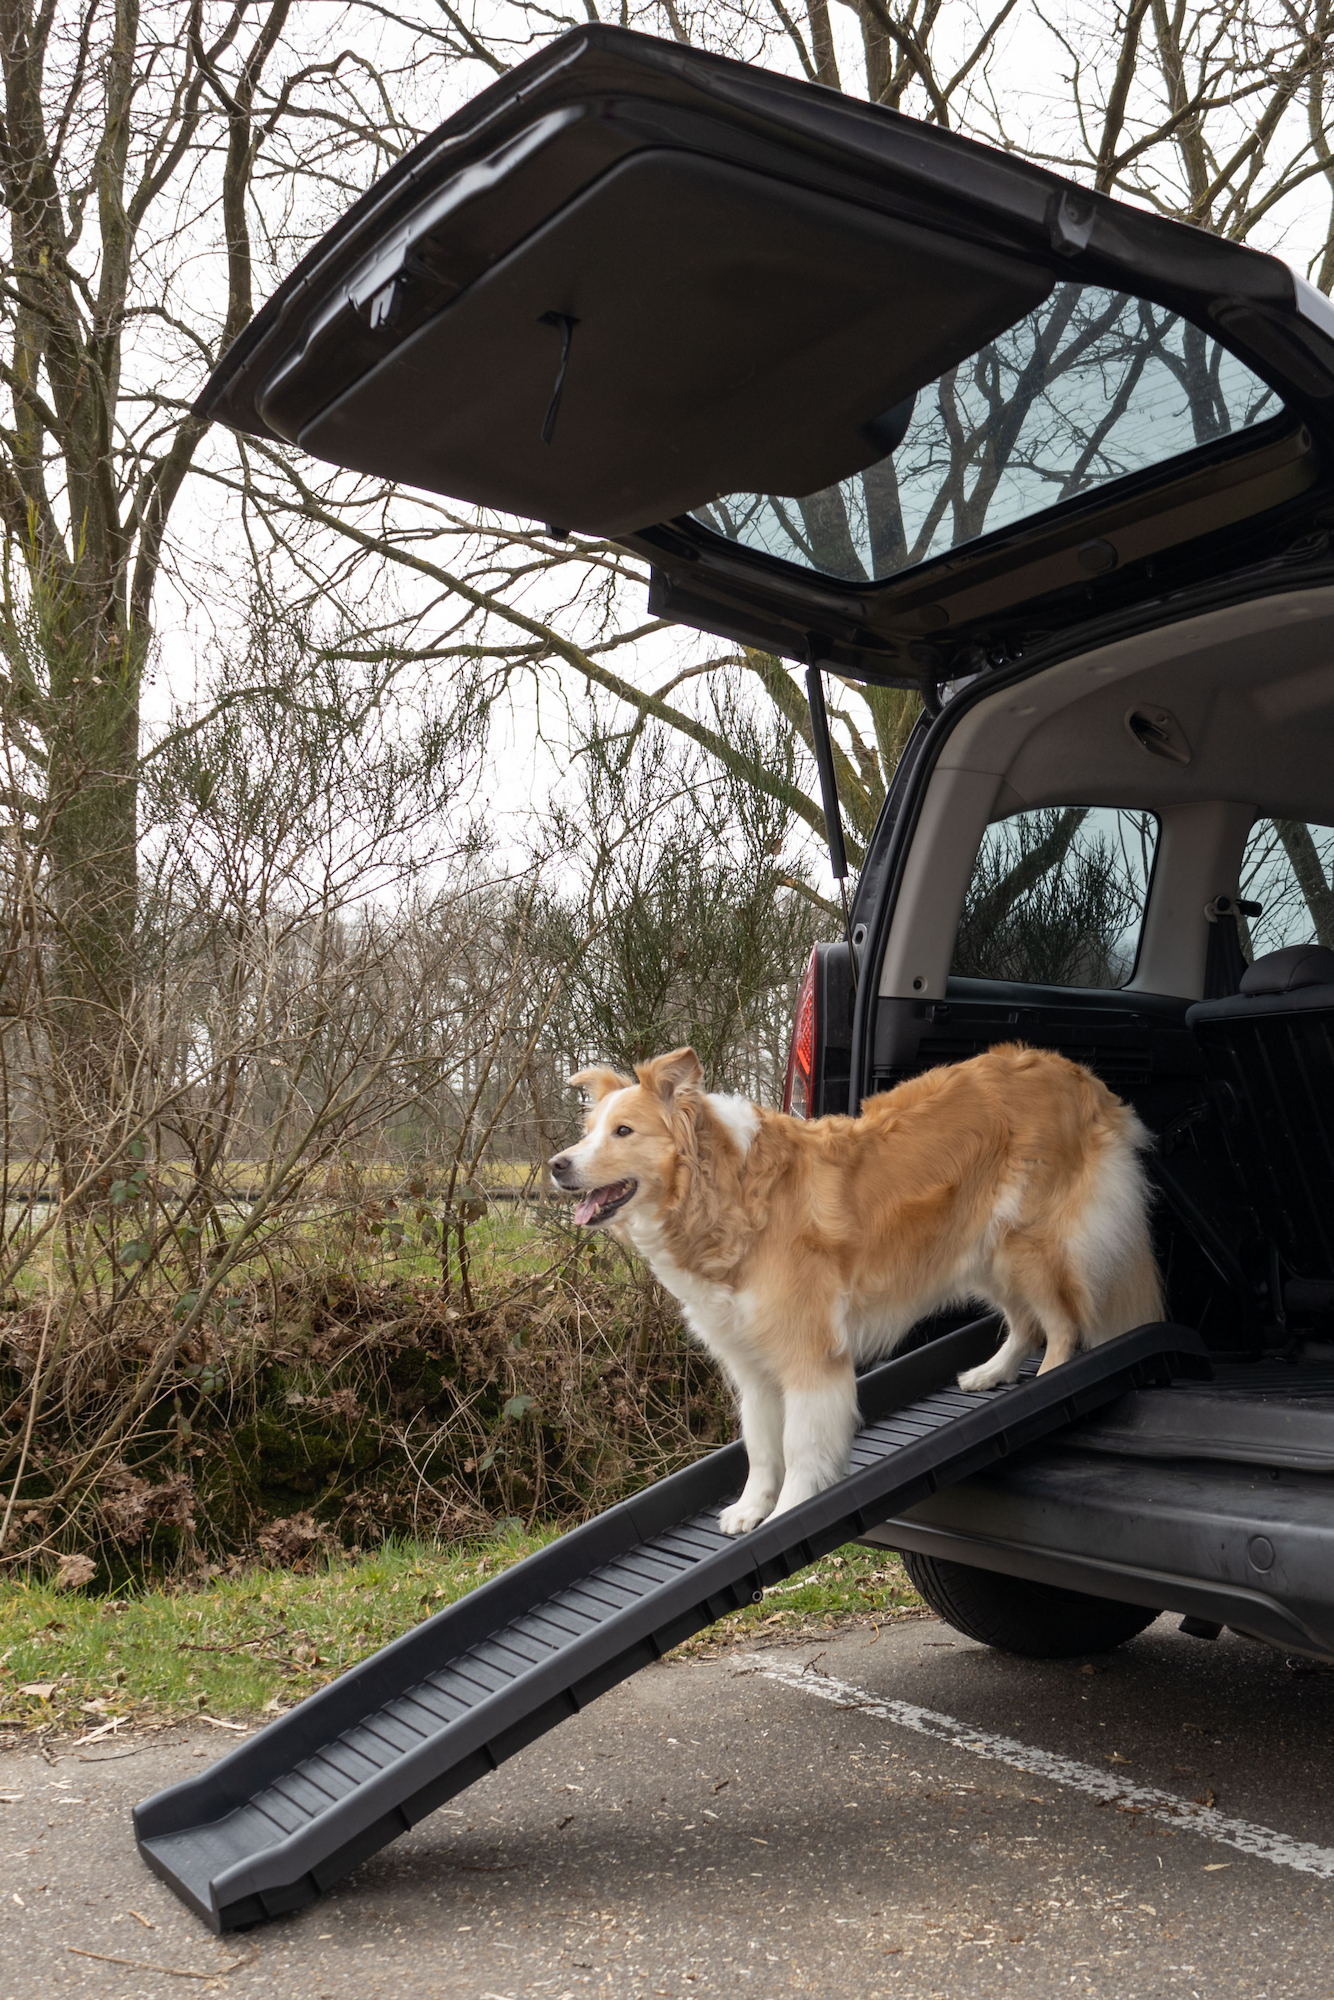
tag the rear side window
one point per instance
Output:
(1289, 871)
(1057, 897)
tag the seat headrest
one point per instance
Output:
(1284, 971)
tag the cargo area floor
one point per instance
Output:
(1265, 1412)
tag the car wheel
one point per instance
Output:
(1035, 1619)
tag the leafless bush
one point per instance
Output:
(279, 1275)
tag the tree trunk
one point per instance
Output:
(91, 831)
(1306, 866)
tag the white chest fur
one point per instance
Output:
(717, 1315)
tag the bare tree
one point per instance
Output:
(1215, 114)
(143, 146)
(139, 145)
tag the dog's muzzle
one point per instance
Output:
(600, 1204)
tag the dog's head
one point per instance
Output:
(631, 1149)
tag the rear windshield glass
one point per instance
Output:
(1057, 897)
(1091, 387)
(1289, 872)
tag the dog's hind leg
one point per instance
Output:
(1023, 1337)
(819, 1422)
(1058, 1301)
(1063, 1341)
(1042, 1298)
(761, 1402)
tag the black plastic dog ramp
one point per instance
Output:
(285, 1814)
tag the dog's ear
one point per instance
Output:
(665, 1075)
(599, 1083)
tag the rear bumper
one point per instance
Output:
(1243, 1546)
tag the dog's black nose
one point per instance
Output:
(559, 1166)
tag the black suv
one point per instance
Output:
(888, 403)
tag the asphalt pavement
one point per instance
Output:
(863, 1813)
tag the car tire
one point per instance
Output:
(1037, 1620)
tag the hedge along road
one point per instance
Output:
(855, 1813)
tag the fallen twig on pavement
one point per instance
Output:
(173, 1971)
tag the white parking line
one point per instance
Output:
(1262, 1841)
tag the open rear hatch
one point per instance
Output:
(860, 389)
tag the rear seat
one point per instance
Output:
(1269, 1050)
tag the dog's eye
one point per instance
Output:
(623, 1131)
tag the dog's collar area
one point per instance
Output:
(600, 1204)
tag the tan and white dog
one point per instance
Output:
(798, 1250)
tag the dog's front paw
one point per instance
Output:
(743, 1515)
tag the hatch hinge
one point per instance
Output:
(1070, 219)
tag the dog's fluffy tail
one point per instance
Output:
(1112, 1248)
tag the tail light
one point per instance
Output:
(799, 1090)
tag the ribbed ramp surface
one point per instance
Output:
(276, 1822)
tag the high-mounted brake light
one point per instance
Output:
(799, 1090)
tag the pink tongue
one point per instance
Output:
(599, 1198)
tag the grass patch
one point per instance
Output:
(855, 1582)
(265, 1636)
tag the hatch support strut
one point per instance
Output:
(833, 820)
